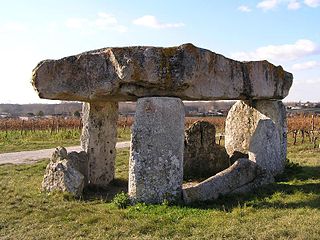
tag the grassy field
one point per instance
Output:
(14, 141)
(287, 209)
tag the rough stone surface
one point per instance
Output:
(261, 180)
(237, 176)
(202, 156)
(156, 157)
(80, 161)
(258, 128)
(66, 172)
(187, 72)
(98, 140)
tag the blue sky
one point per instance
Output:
(285, 32)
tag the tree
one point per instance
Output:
(77, 114)
(40, 114)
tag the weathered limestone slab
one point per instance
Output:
(202, 156)
(156, 157)
(186, 71)
(80, 161)
(66, 172)
(258, 128)
(98, 139)
(242, 172)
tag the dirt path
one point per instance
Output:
(34, 156)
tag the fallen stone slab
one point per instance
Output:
(240, 175)
(186, 72)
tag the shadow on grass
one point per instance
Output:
(295, 179)
(92, 193)
(294, 171)
(263, 198)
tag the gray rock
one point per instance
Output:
(156, 154)
(264, 147)
(258, 129)
(80, 161)
(187, 72)
(202, 156)
(261, 180)
(98, 140)
(66, 172)
(242, 172)
(59, 154)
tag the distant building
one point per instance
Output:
(296, 108)
(26, 118)
(5, 115)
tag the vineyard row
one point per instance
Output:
(295, 123)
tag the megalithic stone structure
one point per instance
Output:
(103, 77)
(186, 72)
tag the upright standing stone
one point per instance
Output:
(258, 128)
(98, 139)
(156, 157)
(202, 156)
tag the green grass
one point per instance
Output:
(14, 141)
(287, 209)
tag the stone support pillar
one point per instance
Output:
(98, 139)
(156, 156)
(258, 128)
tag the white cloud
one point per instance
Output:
(15, 85)
(291, 4)
(286, 52)
(268, 4)
(315, 81)
(294, 5)
(77, 23)
(10, 27)
(312, 3)
(152, 22)
(305, 65)
(244, 8)
(103, 21)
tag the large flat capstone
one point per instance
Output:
(186, 71)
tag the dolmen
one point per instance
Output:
(159, 79)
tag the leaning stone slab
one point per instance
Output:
(202, 156)
(156, 155)
(186, 72)
(258, 129)
(98, 140)
(66, 172)
(242, 172)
